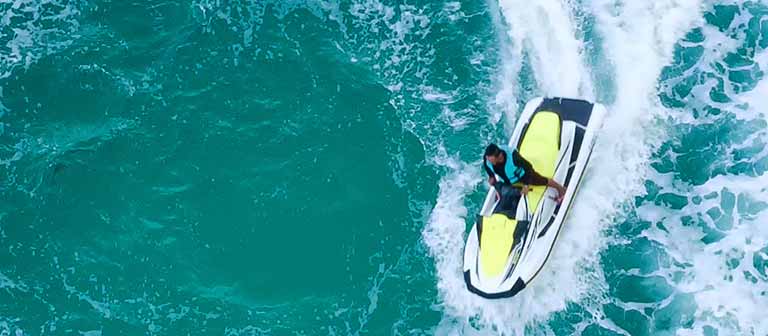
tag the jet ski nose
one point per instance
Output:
(494, 282)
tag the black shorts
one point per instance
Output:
(531, 177)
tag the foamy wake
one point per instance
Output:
(28, 37)
(638, 39)
(726, 275)
(545, 31)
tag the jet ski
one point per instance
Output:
(514, 234)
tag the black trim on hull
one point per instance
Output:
(586, 111)
(579, 138)
(557, 234)
(516, 288)
(479, 221)
(576, 110)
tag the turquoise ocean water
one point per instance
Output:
(311, 167)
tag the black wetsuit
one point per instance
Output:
(531, 177)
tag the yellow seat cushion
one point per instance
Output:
(541, 146)
(495, 243)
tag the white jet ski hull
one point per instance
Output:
(580, 122)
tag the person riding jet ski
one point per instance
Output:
(515, 169)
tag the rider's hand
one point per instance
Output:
(525, 189)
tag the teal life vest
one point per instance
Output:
(512, 172)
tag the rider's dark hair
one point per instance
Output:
(492, 150)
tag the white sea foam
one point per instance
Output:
(30, 37)
(638, 40)
(546, 32)
(726, 276)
